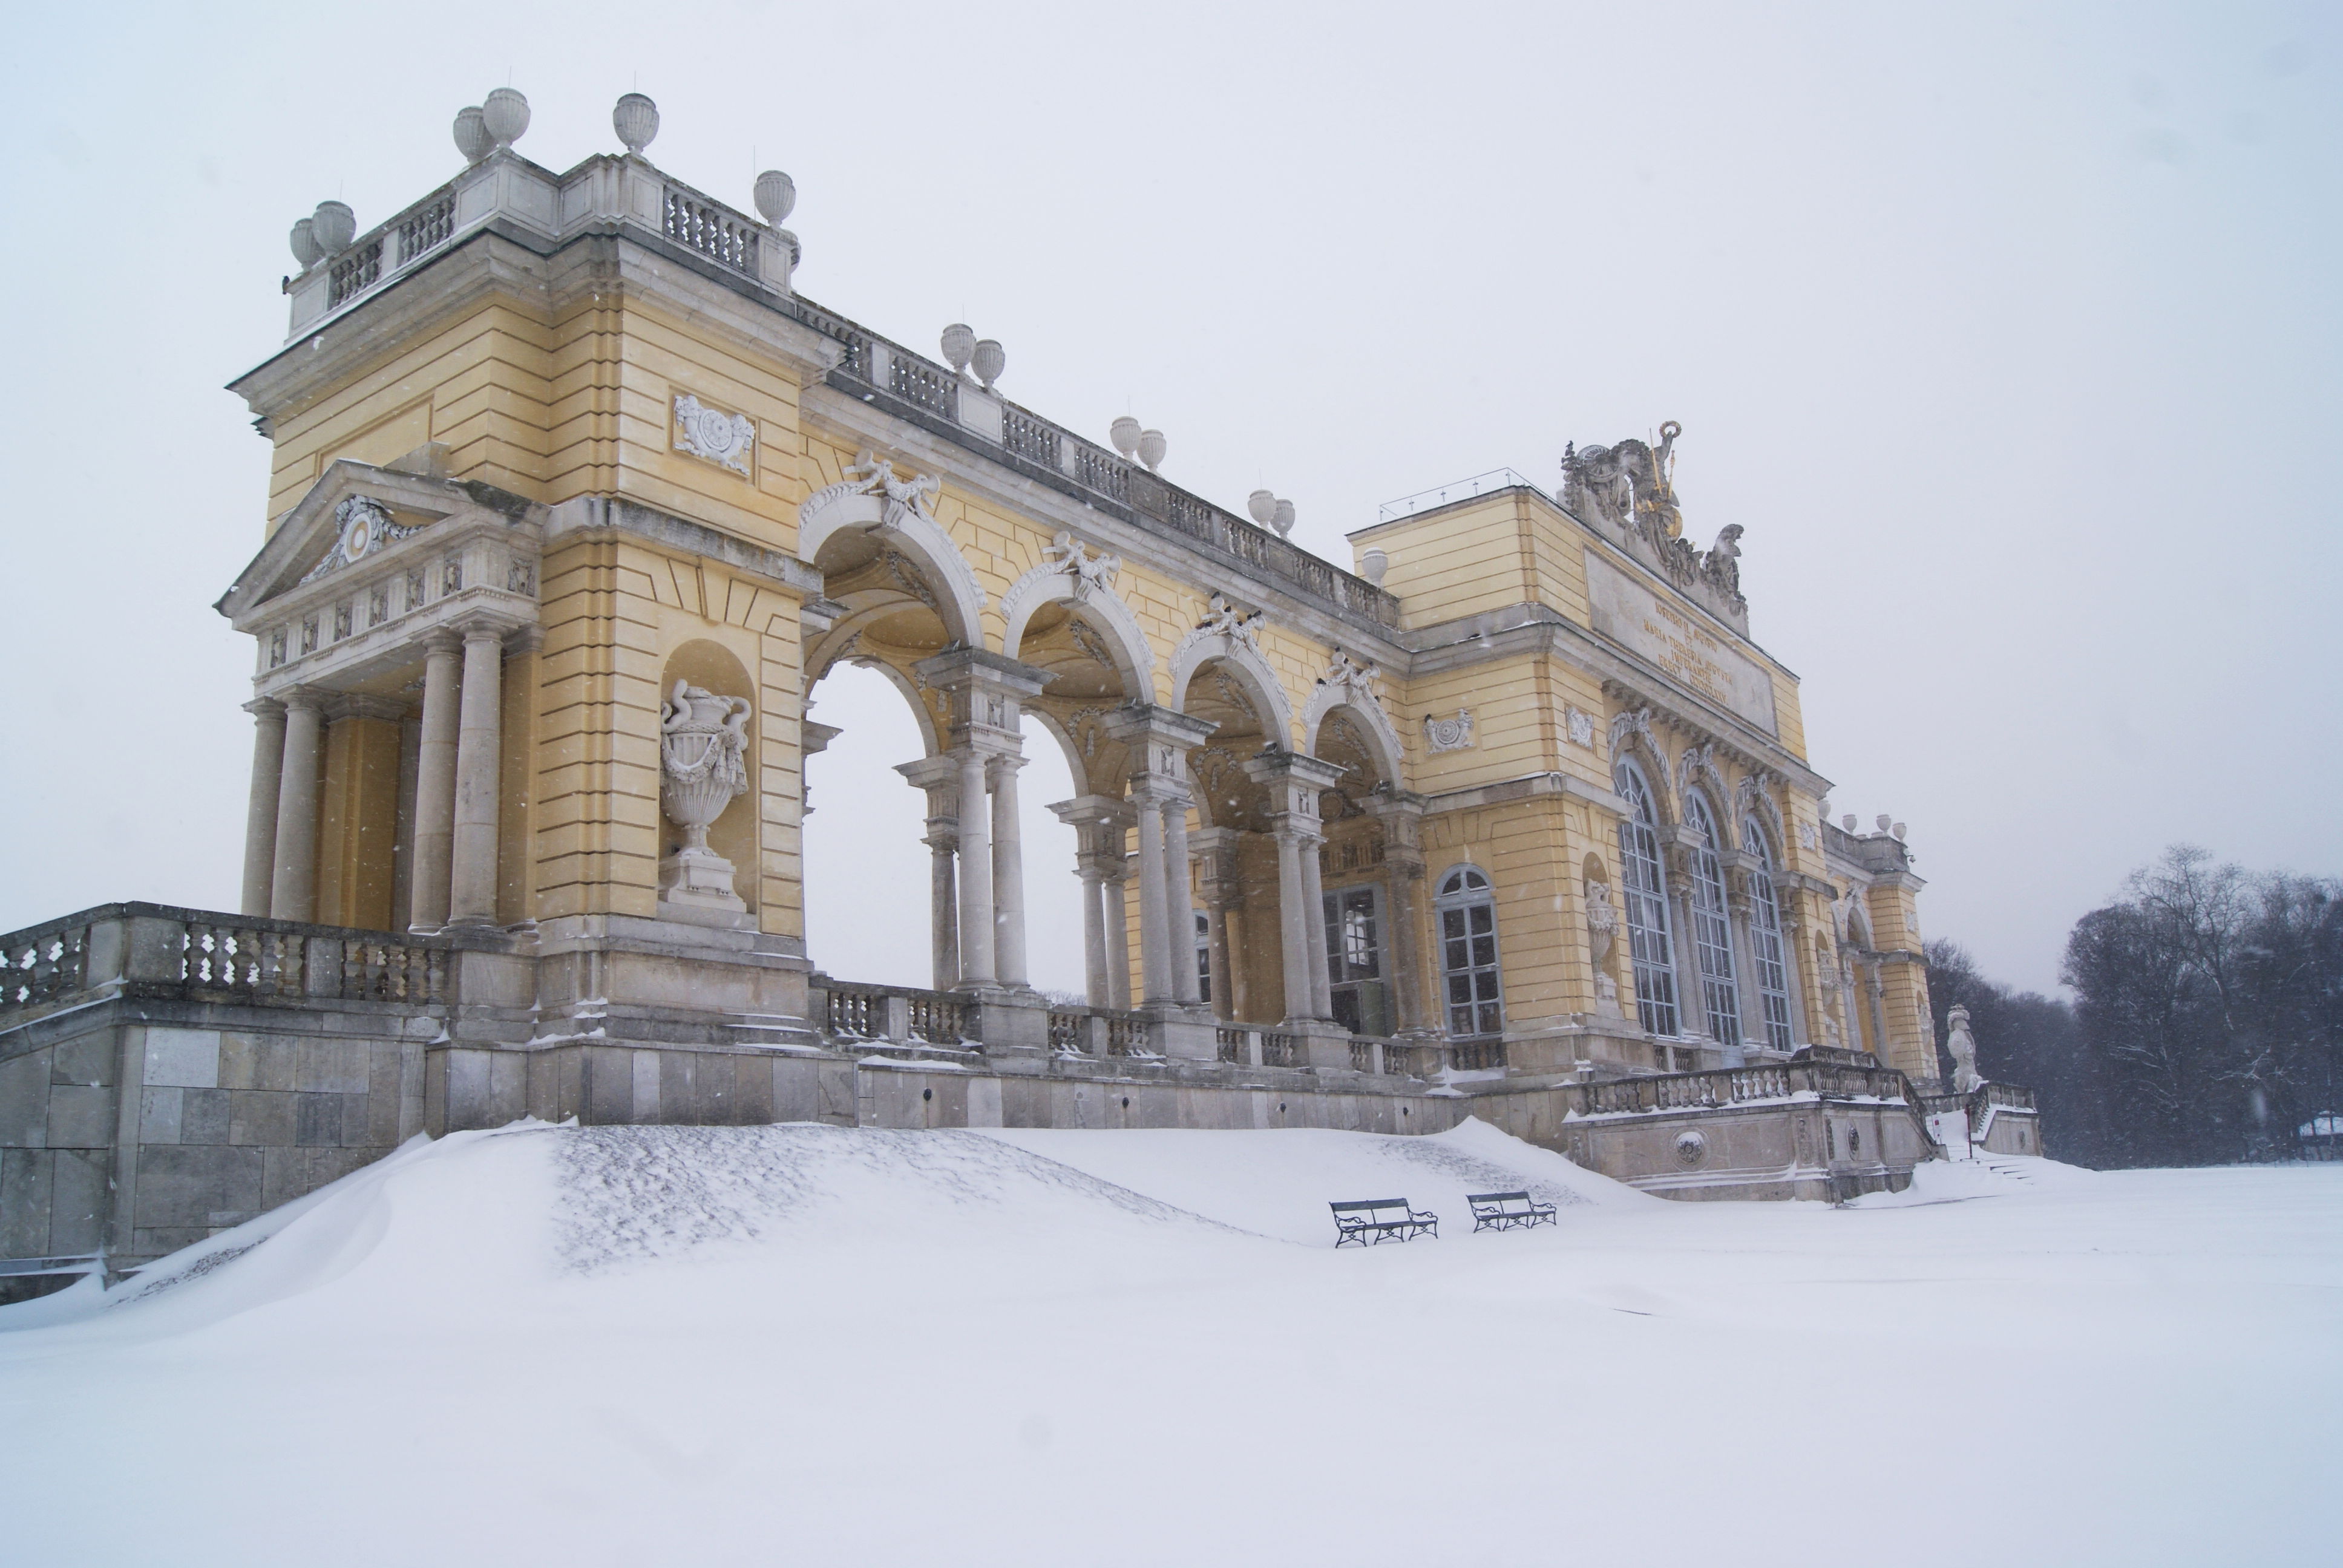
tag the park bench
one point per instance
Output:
(1375, 1220)
(1507, 1211)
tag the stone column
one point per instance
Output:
(1094, 982)
(1156, 983)
(975, 871)
(986, 690)
(1115, 890)
(293, 887)
(1216, 850)
(261, 811)
(1313, 910)
(1403, 820)
(939, 777)
(1225, 999)
(479, 756)
(1098, 820)
(1159, 741)
(1292, 928)
(435, 783)
(1293, 783)
(402, 849)
(1008, 875)
(1179, 903)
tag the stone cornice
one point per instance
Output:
(592, 516)
(857, 418)
(501, 262)
(1530, 786)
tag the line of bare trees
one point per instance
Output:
(2206, 1024)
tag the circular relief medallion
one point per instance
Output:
(1691, 1148)
(354, 540)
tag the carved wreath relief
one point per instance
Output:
(726, 440)
(1449, 734)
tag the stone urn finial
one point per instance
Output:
(306, 248)
(989, 360)
(1124, 434)
(504, 113)
(1263, 505)
(959, 346)
(635, 119)
(703, 768)
(1151, 447)
(776, 195)
(472, 139)
(333, 225)
(1284, 519)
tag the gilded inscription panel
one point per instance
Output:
(1639, 620)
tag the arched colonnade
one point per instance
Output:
(1193, 771)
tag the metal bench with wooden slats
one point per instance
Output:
(1371, 1220)
(1507, 1211)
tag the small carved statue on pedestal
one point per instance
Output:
(1962, 1047)
(1601, 937)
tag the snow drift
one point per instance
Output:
(809, 1344)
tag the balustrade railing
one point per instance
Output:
(426, 229)
(354, 272)
(691, 220)
(1277, 1049)
(158, 951)
(1032, 438)
(924, 387)
(937, 1018)
(1477, 1055)
(1232, 1047)
(45, 964)
(1362, 1056)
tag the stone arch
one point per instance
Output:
(1385, 747)
(1753, 798)
(1631, 737)
(1696, 770)
(1076, 763)
(1200, 648)
(1051, 583)
(855, 505)
(836, 645)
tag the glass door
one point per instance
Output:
(1355, 960)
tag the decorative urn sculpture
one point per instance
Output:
(703, 768)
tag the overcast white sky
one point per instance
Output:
(2011, 335)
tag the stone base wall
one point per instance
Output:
(134, 1129)
(619, 1085)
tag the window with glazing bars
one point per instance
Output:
(1646, 906)
(1712, 929)
(1765, 939)
(1468, 953)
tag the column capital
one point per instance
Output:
(265, 708)
(1158, 740)
(365, 705)
(303, 699)
(988, 693)
(1293, 783)
(1092, 812)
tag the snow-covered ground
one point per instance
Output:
(804, 1344)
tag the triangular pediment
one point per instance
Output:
(400, 504)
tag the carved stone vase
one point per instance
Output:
(703, 768)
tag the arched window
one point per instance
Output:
(1646, 901)
(1712, 929)
(1765, 938)
(1468, 954)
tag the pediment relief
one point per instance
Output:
(355, 513)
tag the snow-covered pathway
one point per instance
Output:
(804, 1344)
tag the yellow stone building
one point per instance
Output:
(575, 502)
